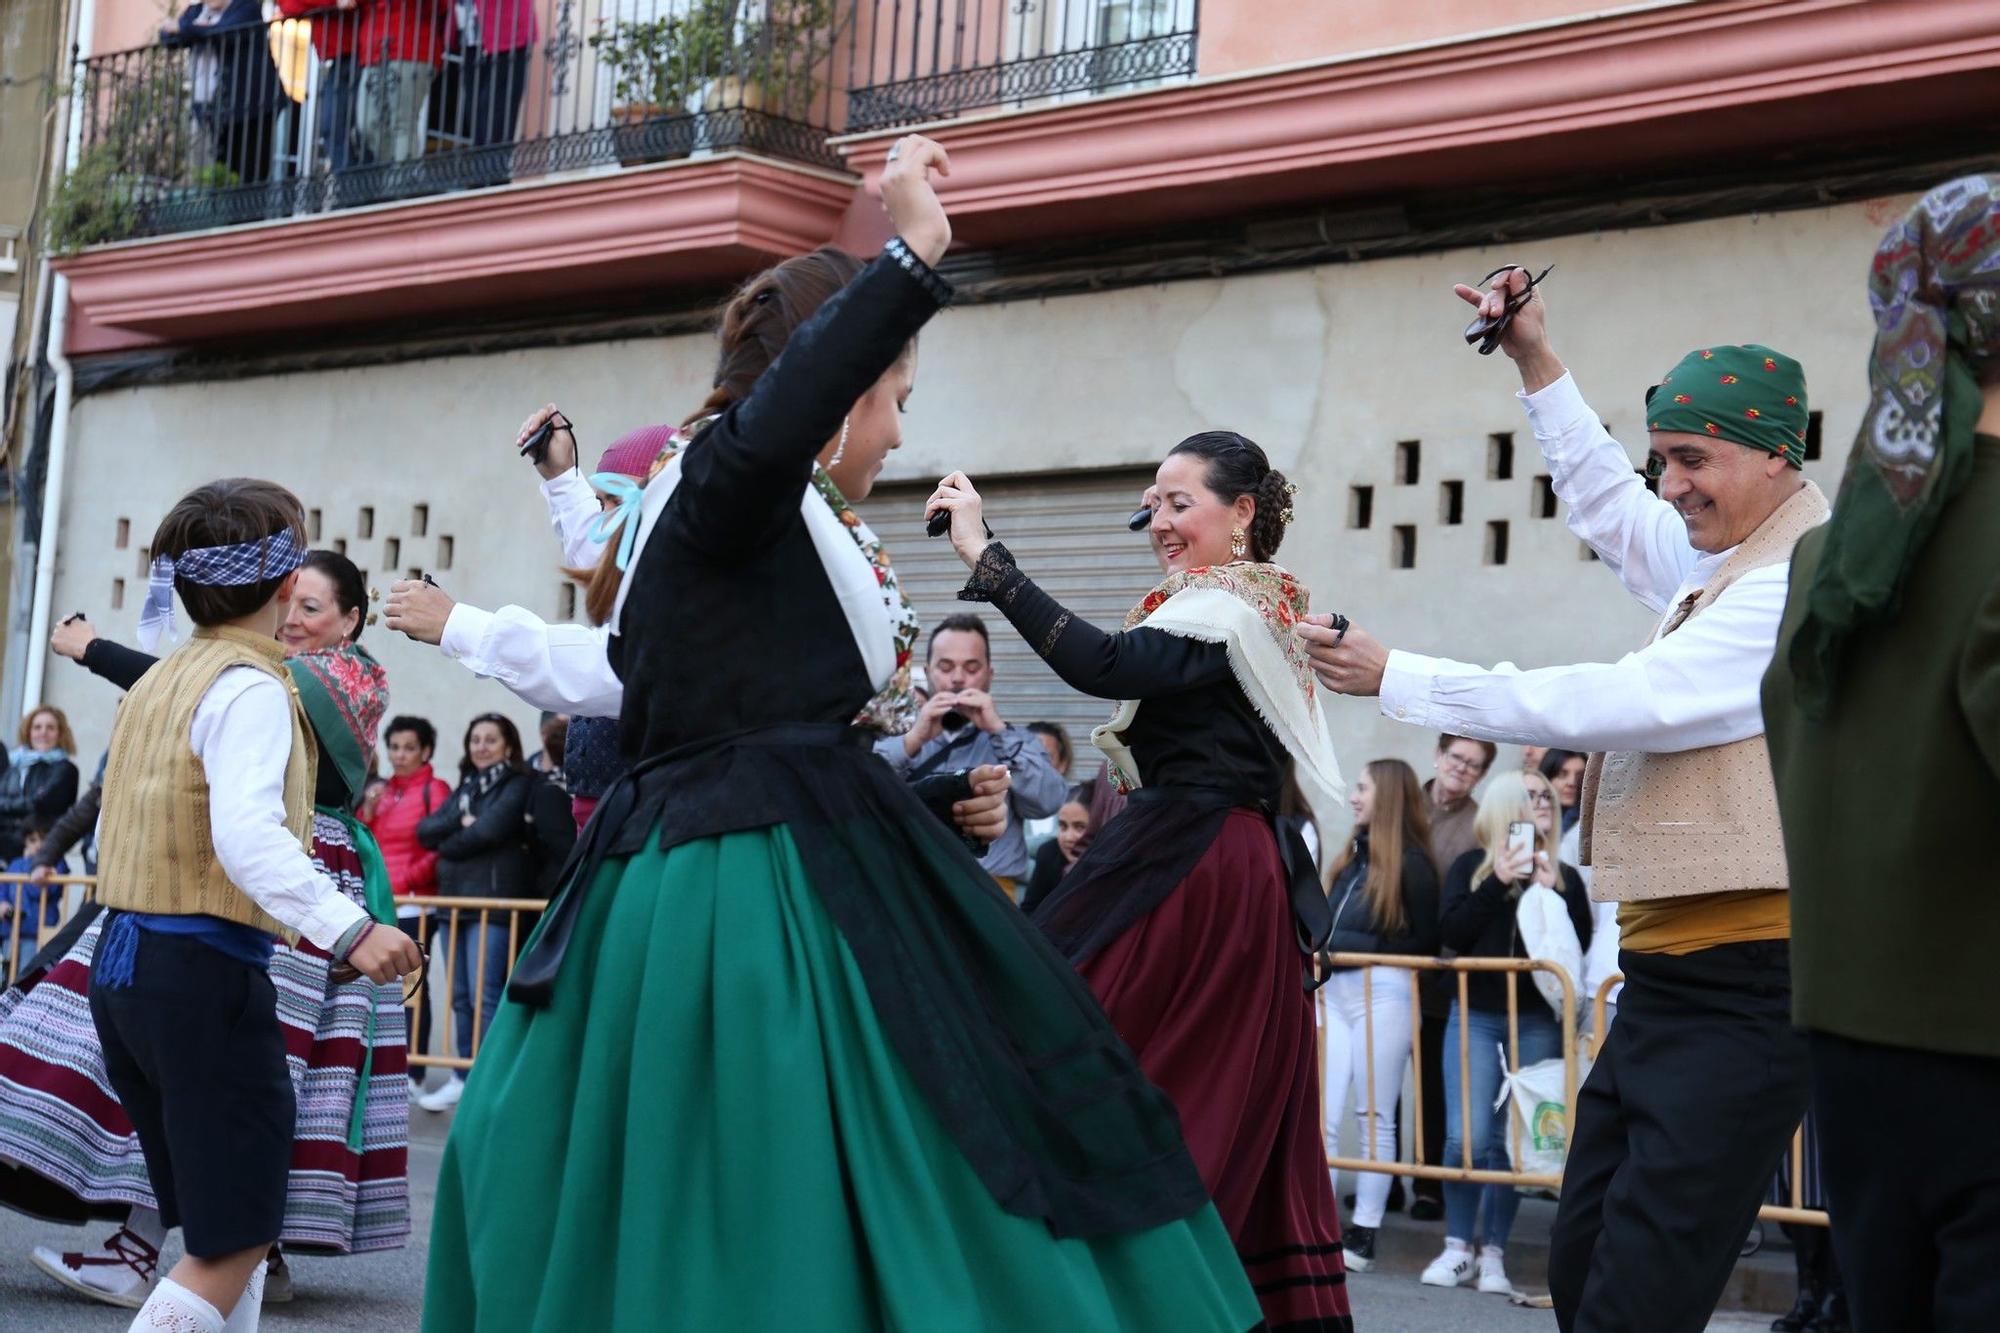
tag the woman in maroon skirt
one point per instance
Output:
(1193, 914)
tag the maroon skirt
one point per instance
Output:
(1206, 989)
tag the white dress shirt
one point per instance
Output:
(1693, 688)
(573, 508)
(559, 668)
(242, 731)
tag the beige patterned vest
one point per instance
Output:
(1695, 821)
(156, 852)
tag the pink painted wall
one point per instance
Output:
(1238, 35)
(125, 24)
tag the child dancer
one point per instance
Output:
(207, 808)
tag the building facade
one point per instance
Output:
(1170, 218)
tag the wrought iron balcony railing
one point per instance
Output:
(918, 60)
(234, 118)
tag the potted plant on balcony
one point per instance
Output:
(658, 67)
(774, 72)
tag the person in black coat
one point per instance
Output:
(41, 779)
(1482, 893)
(1384, 891)
(481, 836)
(236, 91)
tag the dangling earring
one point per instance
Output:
(1239, 545)
(841, 448)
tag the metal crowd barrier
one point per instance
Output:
(1572, 1045)
(442, 918)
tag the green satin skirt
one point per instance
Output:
(707, 1129)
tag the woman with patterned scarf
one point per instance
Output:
(1188, 914)
(67, 1150)
(778, 1055)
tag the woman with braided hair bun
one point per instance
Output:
(1188, 913)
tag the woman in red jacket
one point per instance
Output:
(399, 805)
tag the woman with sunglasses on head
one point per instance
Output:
(1477, 919)
(1187, 914)
(480, 835)
(344, 1038)
(777, 999)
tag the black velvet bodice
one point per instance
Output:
(1195, 728)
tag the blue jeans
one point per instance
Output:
(339, 85)
(465, 942)
(1490, 1207)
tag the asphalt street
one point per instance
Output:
(385, 1291)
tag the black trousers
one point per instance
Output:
(193, 1049)
(1913, 1178)
(1431, 1050)
(1679, 1127)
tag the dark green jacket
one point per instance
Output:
(1889, 804)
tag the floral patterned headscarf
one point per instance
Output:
(1935, 291)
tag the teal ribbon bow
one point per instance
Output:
(623, 520)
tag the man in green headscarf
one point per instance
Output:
(1701, 1082)
(1883, 704)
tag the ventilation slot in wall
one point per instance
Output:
(1451, 503)
(1544, 503)
(118, 594)
(312, 525)
(566, 601)
(1500, 456)
(392, 551)
(364, 525)
(1813, 424)
(420, 520)
(1496, 542)
(1403, 547)
(124, 538)
(444, 553)
(1409, 461)
(1360, 506)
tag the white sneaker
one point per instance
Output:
(119, 1274)
(445, 1097)
(1493, 1272)
(1449, 1269)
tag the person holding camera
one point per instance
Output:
(960, 727)
(1518, 846)
(809, 988)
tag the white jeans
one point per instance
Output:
(1344, 1019)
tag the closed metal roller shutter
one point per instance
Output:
(1069, 535)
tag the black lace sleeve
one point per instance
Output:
(1131, 664)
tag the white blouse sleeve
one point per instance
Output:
(573, 508)
(561, 668)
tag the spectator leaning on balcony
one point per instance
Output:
(496, 39)
(235, 93)
(336, 34)
(1680, 824)
(401, 48)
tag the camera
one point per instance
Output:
(939, 792)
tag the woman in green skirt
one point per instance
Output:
(779, 1056)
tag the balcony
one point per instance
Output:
(915, 62)
(390, 100)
